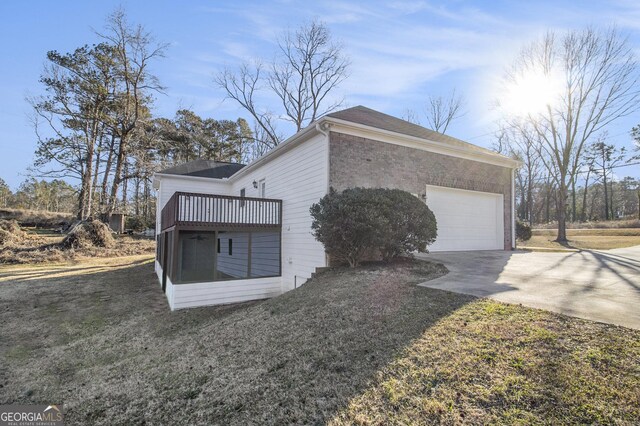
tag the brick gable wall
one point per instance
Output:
(360, 162)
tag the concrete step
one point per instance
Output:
(319, 270)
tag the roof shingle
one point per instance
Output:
(369, 117)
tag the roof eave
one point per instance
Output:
(158, 175)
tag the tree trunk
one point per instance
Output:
(80, 213)
(96, 169)
(107, 172)
(591, 207)
(583, 215)
(561, 203)
(88, 178)
(85, 185)
(606, 196)
(137, 196)
(530, 201)
(117, 175)
(125, 186)
(611, 206)
(573, 200)
(146, 206)
(547, 200)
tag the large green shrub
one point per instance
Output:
(357, 221)
(523, 231)
(410, 225)
(346, 223)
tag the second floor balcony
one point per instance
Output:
(197, 211)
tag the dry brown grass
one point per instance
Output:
(36, 218)
(38, 246)
(585, 239)
(604, 224)
(364, 346)
(618, 232)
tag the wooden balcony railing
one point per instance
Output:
(184, 208)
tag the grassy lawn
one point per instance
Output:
(350, 347)
(594, 239)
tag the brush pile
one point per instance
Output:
(11, 233)
(88, 234)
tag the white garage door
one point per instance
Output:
(467, 220)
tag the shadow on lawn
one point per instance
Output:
(20, 273)
(49, 311)
(105, 343)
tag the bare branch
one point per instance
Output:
(242, 87)
(308, 68)
(442, 111)
(597, 75)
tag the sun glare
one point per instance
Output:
(529, 94)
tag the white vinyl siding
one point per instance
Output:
(182, 296)
(298, 177)
(224, 292)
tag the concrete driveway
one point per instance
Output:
(597, 285)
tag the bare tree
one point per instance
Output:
(134, 49)
(308, 68)
(598, 77)
(242, 86)
(411, 116)
(522, 142)
(311, 65)
(74, 109)
(442, 111)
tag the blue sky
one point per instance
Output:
(401, 51)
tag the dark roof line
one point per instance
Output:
(369, 117)
(358, 115)
(204, 168)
